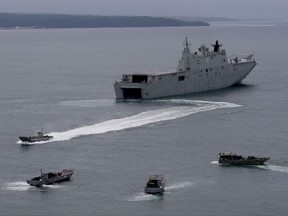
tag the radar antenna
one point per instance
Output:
(216, 46)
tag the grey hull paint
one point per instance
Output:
(205, 72)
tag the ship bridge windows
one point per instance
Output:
(139, 78)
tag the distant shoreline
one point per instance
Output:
(45, 21)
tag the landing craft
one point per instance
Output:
(51, 178)
(199, 71)
(229, 158)
(38, 138)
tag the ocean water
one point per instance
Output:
(62, 81)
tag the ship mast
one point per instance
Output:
(185, 66)
(186, 45)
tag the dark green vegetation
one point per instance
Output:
(13, 20)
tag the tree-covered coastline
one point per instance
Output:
(21, 20)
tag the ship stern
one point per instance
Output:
(126, 91)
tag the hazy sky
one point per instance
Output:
(275, 9)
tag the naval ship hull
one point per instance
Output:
(179, 83)
(199, 71)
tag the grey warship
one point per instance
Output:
(229, 158)
(199, 71)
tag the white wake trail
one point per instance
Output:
(17, 186)
(23, 186)
(180, 185)
(150, 197)
(180, 108)
(144, 197)
(141, 119)
(275, 168)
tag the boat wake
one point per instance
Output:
(265, 167)
(17, 186)
(215, 162)
(23, 186)
(177, 186)
(33, 143)
(168, 189)
(145, 197)
(274, 168)
(177, 109)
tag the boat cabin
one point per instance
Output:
(229, 156)
(155, 181)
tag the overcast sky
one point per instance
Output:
(262, 9)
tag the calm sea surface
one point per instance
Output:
(62, 81)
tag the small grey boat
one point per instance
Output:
(51, 178)
(155, 185)
(229, 158)
(38, 138)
